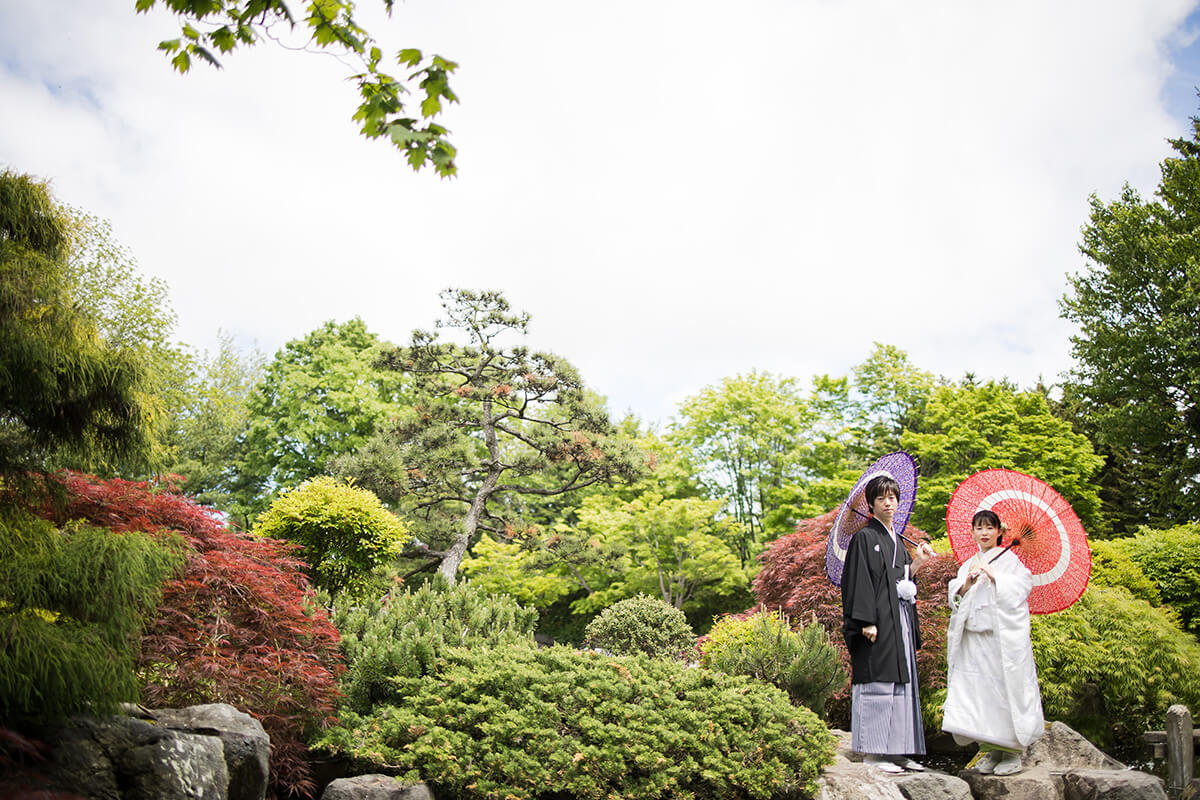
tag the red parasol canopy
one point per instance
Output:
(1048, 537)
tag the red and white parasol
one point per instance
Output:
(1040, 527)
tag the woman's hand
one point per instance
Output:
(970, 580)
(870, 631)
(981, 572)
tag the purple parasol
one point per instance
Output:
(853, 512)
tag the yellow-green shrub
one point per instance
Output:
(345, 531)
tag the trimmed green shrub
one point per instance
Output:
(402, 635)
(1171, 559)
(515, 722)
(641, 625)
(345, 531)
(801, 662)
(1112, 664)
(1112, 567)
(72, 602)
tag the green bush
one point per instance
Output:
(1112, 664)
(1112, 567)
(402, 635)
(345, 531)
(516, 722)
(72, 602)
(801, 662)
(1171, 559)
(641, 625)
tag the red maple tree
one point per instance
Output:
(240, 624)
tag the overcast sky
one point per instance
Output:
(677, 192)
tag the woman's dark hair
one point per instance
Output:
(990, 517)
(879, 486)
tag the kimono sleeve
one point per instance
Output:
(858, 594)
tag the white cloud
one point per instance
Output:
(677, 192)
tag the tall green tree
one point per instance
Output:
(132, 313)
(209, 27)
(494, 423)
(1135, 386)
(748, 434)
(205, 436)
(68, 397)
(891, 395)
(321, 396)
(967, 427)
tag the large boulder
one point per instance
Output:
(1061, 748)
(375, 787)
(1031, 784)
(1093, 784)
(176, 766)
(932, 786)
(209, 752)
(121, 758)
(247, 748)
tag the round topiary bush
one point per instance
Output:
(345, 531)
(641, 625)
(801, 662)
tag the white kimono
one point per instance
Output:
(992, 693)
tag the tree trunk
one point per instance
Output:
(458, 549)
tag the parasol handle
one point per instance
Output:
(1011, 545)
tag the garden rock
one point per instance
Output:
(375, 787)
(1031, 784)
(176, 766)
(1061, 748)
(120, 758)
(1093, 784)
(849, 779)
(247, 747)
(932, 786)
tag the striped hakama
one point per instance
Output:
(885, 717)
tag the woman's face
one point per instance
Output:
(884, 507)
(985, 535)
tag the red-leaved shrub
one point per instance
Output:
(239, 625)
(793, 580)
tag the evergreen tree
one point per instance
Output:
(493, 422)
(1135, 388)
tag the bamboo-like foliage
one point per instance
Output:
(72, 603)
(66, 397)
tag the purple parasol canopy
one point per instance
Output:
(854, 513)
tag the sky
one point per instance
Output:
(676, 192)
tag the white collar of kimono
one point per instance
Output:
(1064, 551)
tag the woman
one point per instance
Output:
(992, 694)
(879, 621)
